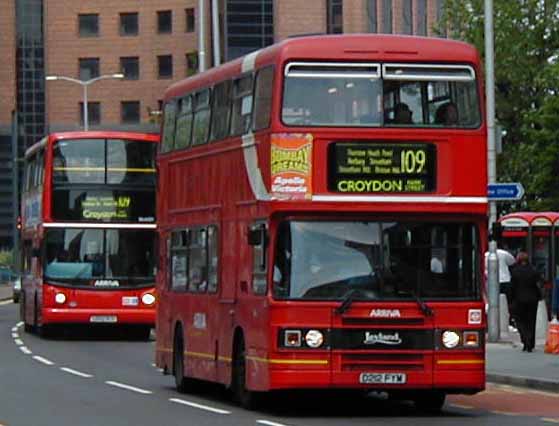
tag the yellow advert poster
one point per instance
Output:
(291, 166)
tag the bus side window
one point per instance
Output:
(242, 105)
(168, 139)
(221, 110)
(201, 117)
(179, 260)
(263, 98)
(258, 240)
(213, 259)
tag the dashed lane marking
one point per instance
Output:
(128, 387)
(15, 335)
(200, 406)
(76, 372)
(18, 342)
(19, 324)
(505, 413)
(269, 423)
(25, 350)
(6, 302)
(14, 328)
(550, 420)
(43, 360)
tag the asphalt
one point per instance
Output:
(506, 363)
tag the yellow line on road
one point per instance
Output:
(465, 407)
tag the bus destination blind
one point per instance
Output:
(382, 168)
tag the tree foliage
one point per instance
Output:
(526, 36)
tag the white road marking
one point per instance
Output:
(15, 335)
(550, 420)
(200, 406)
(14, 328)
(128, 387)
(76, 372)
(25, 350)
(19, 324)
(43, 360)
(269, 423)
(465, 407)
(18, 342)
(6, 302)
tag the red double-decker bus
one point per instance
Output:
(89, 230)
(322, 216)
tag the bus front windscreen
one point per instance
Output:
(376, 261)
(100, 257)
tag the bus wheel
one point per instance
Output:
(430, 402)
(183, 384)
(244, 397)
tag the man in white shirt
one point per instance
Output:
(506, 260)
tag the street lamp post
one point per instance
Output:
(84, 85)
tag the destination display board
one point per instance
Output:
(104, 205)
(372, 167)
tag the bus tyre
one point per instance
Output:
(430, 402)
(183, 384)
(244, 397)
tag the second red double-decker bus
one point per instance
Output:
(322, 215)
(88, 232)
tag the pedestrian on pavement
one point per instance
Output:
(526, 294)
(506, 260)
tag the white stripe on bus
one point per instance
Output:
(101, 225)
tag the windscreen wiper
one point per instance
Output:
(346, 302)
(427, 311)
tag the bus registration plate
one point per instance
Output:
(103, 318)
(386, 378)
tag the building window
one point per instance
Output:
(372, 15)
(93, 113)
(164, 21)
(130, 67)
(129, 24)
(191, 63)
(387, 16)
(88, 25)
(130, 111)
(165, 66)
(421, 23)
(440, 15)
(89, 68)
(250, 26)
(407, 20)
(190, 20)
(334, 11)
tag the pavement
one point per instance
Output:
(505, 361)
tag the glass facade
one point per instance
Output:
(30, 71)
(249, 26)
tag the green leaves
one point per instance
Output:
(526, 35)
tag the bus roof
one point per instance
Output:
(92, 134)
(339, 47)
(522, 219)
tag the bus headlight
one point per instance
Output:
(314, 338)
(60, 298)
(450, 339)
(148, 299)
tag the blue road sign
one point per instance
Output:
(505, 191)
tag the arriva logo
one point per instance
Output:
(385, 339)
(106, 283)
(385, 313)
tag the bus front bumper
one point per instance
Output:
(145, 316)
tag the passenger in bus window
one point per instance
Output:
(447, 114)
(402, 114)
